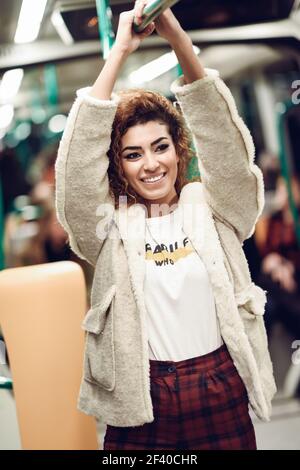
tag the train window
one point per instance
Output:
(226, 13)
(82, 22)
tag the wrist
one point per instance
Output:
(120, 51)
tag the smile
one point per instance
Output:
(154, 179)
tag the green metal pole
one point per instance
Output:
(6, 383)
(106, 33)
(285, 169)
(193, 169)
(2, 263)
(51, 86)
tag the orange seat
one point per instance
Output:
(42, 307)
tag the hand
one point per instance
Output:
(126, 39)
(166, 24)
(280, 270)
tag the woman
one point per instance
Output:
(175, 345)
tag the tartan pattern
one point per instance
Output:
(199, 404)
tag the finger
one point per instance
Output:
(139, 7)
(148, 30)
(136, 7)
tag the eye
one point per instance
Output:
(132, 156)
(163, 146)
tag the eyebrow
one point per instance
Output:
(137, 148)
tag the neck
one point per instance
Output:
(156, 209)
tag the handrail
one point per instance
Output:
(6, 383)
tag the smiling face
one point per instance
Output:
(149, 162)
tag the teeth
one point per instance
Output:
(151, 180)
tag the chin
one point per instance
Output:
(153, 195)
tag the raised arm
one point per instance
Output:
(82, 184)
(233, 184)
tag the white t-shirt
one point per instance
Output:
(181, 321)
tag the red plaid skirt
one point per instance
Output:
(198, 404)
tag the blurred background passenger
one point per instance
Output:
(32, 232)
(280, 254)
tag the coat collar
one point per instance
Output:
(131, 221)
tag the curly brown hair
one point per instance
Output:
(139, 106)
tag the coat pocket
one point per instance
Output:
(251, 304)
(251, 301)
(99, 357)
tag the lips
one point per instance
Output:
(156, 181)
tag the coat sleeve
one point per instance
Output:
(83, 203)
(233, 183)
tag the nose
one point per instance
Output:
(150, 162)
